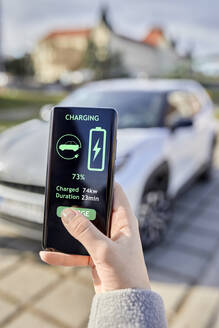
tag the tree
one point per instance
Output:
(103, 62)
(21, 67)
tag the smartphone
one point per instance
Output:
(80, 170)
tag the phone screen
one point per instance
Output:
(80, 171)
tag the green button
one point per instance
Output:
(89, 213)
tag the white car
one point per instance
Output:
(166, 137)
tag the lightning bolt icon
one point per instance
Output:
(96, 149)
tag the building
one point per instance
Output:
(63, 51)
(153, 56)
(142, 57)
(58, 52)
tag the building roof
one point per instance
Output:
(68, 32)
(155, 37)
(105, 20)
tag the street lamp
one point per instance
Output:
(1, 24)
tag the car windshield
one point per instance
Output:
(137, 109)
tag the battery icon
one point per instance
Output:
(96, 149)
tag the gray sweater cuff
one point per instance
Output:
(133, 308)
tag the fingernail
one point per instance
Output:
(67, 215)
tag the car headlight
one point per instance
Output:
(121, 161)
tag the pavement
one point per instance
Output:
(184, 269)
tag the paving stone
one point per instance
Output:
(213, 195)
(180, 213)
(196, 240)
(179, 207)
(172, 231)
(211, 277)
(172, 295)
(186, 202)
(207, 220)
(216, 322)
(7, 259)
(65, 270)
(61, 270)
(180, 263)
(180, 219)
(194, 196)
(26, 320)
(23, 244)
(215, 184)
(6, 309)
(213, 205)
(154, 253)
(157, 275)
(27, 280)
(213, 212)
(207, 188)
(5, 230)
(198, 192)
(84, 274)
(70, 302)
(198, 309)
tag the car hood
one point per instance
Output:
(23, 150)
(23, 153)
(129, 139)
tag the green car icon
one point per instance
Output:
(69, 146)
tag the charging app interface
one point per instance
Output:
(79, 170)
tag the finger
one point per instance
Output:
(122, 212)
(96, 280)
(56, 258)
(120, 198)
(83, 230)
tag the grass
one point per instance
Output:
(217, 113)
(7, 125)
(11, 99)
(214, 94)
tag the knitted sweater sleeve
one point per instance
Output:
(127, 308)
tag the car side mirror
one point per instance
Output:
(181, 123)
(45, 112)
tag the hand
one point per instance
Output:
(116, 262)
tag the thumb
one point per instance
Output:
(82, 229)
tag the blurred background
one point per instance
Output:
(50, 48)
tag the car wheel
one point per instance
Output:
(156, 211)
(206, 175)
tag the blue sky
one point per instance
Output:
(194, 23)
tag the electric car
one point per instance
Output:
(166, 137)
